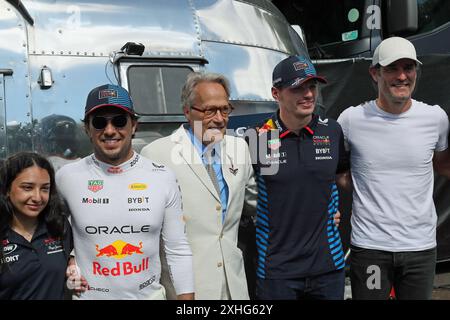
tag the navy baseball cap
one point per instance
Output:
(293, 71)
(108, 95)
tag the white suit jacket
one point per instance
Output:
(213, 243)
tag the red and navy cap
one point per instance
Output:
(293, 71)
(108, 95)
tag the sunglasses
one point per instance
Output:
(100, 122)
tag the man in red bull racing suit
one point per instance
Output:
(120, 204)
(296, 155)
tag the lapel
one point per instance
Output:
(191, 157)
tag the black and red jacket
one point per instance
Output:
(35, 270)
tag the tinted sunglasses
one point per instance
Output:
(100, 122)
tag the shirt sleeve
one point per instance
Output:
(59, 180)
(343, 120)
(344, 157)
(61, 185)
(176, 246)
(443, 131)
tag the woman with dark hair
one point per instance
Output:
(35, 235)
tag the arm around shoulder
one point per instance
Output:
(441, 162)
(441, 158)
(185, 296)
(344, 180)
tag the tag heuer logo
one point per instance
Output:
(95, 185)
(274, 144)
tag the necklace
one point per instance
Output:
(27, 234)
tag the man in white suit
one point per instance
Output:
(213, 170)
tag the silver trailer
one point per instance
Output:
(53, 52)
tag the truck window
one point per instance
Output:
(155, 89)
(327, 23)
(432, 14)
(322, 25)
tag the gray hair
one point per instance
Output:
(189, 94)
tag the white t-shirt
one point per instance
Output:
(392, 172)
(117, 216)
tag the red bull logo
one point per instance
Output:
(269, 125)
(129, 249)
(125, 268)
(119, 250)
(106, 251)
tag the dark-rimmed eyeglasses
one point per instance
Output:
(100, 122)
(212, 111)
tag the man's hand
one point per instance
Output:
(75, 281)
(185, 296)
(441, 163)
(344, 181)
(337, 219)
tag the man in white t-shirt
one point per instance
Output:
(394, 142)
(121, 203)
